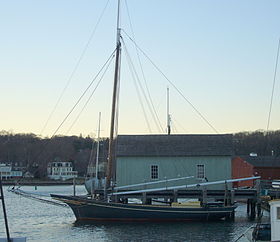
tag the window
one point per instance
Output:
(154, 171)
(200, 171)
(278, 213)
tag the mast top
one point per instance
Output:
(118, 23)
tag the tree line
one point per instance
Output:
(34, 152)
(260, 142)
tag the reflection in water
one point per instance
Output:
(44, 222)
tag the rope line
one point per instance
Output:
(35, 197)
(154, 113)
(132, 71)
(273, 87)
(83, 94)
(171, 83)
(149, 104)
(43, 148)
(75, 68)
(89, 98)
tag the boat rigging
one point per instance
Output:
(107, 206)
(113, 128)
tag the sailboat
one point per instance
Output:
(94, 183)
(109, 206)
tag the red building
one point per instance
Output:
(268, 167)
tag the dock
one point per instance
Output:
(229, 197)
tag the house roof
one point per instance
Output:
(262, 161)
(174, 145)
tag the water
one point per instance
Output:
(44, 222)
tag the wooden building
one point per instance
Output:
(268, 167)
(146, 158)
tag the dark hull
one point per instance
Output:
(86, 209)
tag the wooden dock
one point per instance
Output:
(226, 197)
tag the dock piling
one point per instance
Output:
(74, 186)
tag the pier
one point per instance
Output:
(207, 197)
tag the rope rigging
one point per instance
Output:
(36, 197)
(156, 118)
(104, 67)
(273, 87)
(75, 67)
(173, 85)
(137, 85)
(83, 94)
(67, 84)
(147, 100)
(134, 77)
(89, 98)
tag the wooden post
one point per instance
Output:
(259, 209)
(204, 196)
(175, 196)
(253, 209)
(258, 187)
(248, 206)
(4, 211)
(74, 186)
(225, 195)
(232, 197)
(115, 198)
(91, 188)
(232, 215)
(144, 198)
(105, 194)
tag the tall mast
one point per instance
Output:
(168, 115)
(98, 144)
(114, 103)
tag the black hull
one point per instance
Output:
(86, 209)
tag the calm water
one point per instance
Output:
(43, 222)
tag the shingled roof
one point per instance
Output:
(262, 161)
(174, 145)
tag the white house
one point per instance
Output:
(59, 170)
(7, 171)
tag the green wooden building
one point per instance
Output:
(147, 158)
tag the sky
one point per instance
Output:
(219, 54)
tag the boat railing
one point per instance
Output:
(151, 183)
(184, 186)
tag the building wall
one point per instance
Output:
(5, 171)
(240, 169)
(16, 173)
(268, 173)
(133, 170)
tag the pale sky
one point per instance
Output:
(220, 54)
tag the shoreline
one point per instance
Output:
(41, 182)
